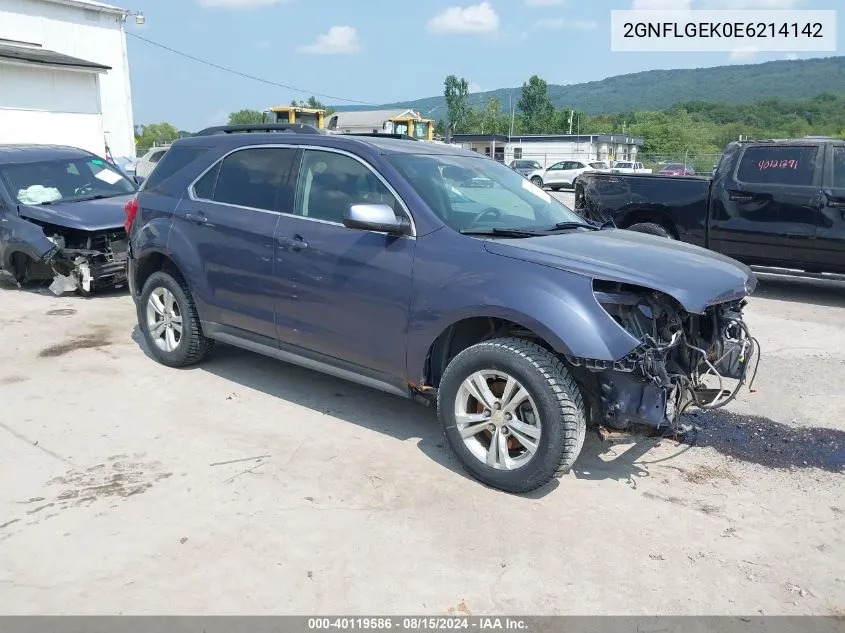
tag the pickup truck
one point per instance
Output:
(778, 203)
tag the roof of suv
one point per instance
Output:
(386, 145)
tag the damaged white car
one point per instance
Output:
(61, 217)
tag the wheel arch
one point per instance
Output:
(466, 331)
(642, 215)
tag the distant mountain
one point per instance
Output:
(660, 89)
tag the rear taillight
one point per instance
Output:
(131, 210)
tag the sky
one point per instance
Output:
(369, 52)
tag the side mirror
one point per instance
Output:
(374, 217)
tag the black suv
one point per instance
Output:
(374, 258)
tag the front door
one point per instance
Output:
(554, 174)
(767, 212)
(352, 287)
(231, 218)
(830, 239)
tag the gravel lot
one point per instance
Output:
(249, 486)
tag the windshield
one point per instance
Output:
(65, 181)
(526, 164)
(470, 193)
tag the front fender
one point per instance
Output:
(18, 235)
(557, 305)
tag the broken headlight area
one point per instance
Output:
(81, 260)
(682, 360)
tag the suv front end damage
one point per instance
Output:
(682, 359)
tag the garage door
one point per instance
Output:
(51, 106)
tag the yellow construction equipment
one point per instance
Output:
(415, 126)
(295, 114)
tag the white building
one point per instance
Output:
(378, 121)
(551, 148)
(64, 75)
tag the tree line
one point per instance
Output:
(689, 128)
(685, 129)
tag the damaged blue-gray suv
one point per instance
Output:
(380, 260)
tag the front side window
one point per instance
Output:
(252, 177)
(65, 180)
(329, 183)
(449, 186)
(778, 164)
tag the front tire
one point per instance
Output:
(512, 414)
(168, 318)
(537, 181)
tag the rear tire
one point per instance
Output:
(538, 434)
(537, 181)
(168, 319)
(652, 228)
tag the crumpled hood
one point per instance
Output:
(86, 215)
(695, 276)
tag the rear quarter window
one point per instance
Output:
(173, 161)
(778, 165)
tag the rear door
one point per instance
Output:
(766, 211)
(230, 218)
(830, 239)
(571, 169)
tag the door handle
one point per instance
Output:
(196, 218)
(295, 243)
(736, 196)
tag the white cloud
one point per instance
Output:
(744, 54)
(238, 4)
(542, 3)
(474, 88)
(476, 18)
(557, 24)
(339, 40)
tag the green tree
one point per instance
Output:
(155, 134)
(456, 92)
(243, 117)
(536, 105)
(313, 103)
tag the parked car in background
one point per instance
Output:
(677, 169)
(521, 322)
(770, 203)
(126, 165)
(629, 167)
(525, 167)
(148, 161)
(563, 173)
(61, 217)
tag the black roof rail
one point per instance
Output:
(258, 128)
(405, 137)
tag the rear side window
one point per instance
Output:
(778, 165)
(157, 156)
(251, 177)
(204, 189)
(173, 161)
